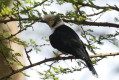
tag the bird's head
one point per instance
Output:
(52, 20)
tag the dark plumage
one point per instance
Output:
(67, 41)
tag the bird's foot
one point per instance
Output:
(73, 58)
(58, 57)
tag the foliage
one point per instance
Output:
(27, 15)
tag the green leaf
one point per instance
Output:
(6, 34)
(37, 50)
(11, 61)
(55, 69)
(107, 9)
(61, 69)
(8, 9)
(55, 53)
(90, 30)
(25, 74)
(33, 42)
(40, 73)
(28, 25)
(8, 49)
(110, 35)
(19, 63)
(74, 7)
(93, 61)
(55, 78)
(81, 1)
(17, 54)
(27, 0)
(91, 2)
(44, 12)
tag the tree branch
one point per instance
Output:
(100, 7)
(53, 59)
(104, 24)
(104, 55)
(23, 19)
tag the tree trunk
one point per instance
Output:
(6, 55)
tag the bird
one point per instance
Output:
(67, 41)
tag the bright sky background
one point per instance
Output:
(107, 69)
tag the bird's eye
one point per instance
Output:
(51, 20)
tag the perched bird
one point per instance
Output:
(67, 41)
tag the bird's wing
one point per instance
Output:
(66, 40)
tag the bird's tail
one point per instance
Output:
(91, 68)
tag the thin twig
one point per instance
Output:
(95, 13)
(12, 35)
(28, 55)
(87, 40)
